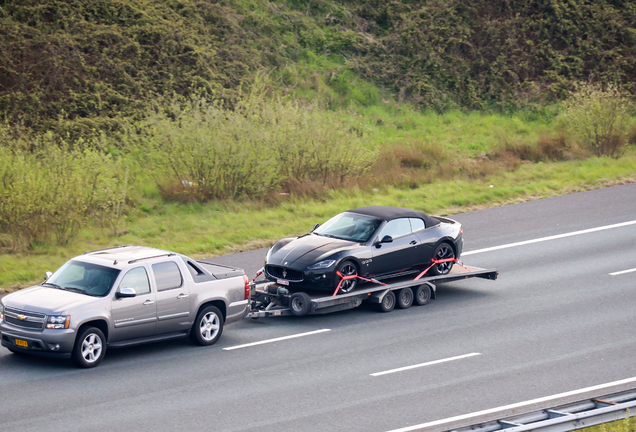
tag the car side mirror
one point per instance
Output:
(385, 239)
(316, 226)
(47, 275)
(126, 293)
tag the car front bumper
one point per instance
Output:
(51, 343)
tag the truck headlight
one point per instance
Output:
(322, 265)
(58, 321)
(1, 312)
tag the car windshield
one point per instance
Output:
(84, 278)
(349, 226)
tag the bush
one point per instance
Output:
(598, 118)
(50, 192)
(199, 150)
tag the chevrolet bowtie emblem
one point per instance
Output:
(22, 317)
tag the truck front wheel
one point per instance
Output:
(208, 326)
(90, 348)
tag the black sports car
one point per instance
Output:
(372, 242)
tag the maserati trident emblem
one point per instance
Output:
(22, 317)
(284, 273)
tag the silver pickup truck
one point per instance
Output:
(122, 296)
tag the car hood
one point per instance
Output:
(46, 300)
(307, 250)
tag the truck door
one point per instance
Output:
(134, 317)
(173, 302)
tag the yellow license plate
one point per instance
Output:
(22, 343)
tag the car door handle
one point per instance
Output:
(182, 296)
(149, 302)
(413, 242)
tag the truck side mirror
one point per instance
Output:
(316, 226)
(47, 275)
(126, 293)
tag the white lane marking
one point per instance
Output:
(276, 339)
(622, 272)
(554, 237)
(425, 364)
(516, 405)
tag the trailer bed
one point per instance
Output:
(270, 299)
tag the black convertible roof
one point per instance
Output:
(390, 213)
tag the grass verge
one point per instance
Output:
(202, 230)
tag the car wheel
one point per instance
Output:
(347, 268)
(300, 303)
(405, 298)
(208, 326)
(443, 251)
(388, 302)
(90, 348)
(423, 294)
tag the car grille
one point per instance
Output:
(33, 320)
(284, 273)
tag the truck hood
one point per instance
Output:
(47, 300)
(307, 250)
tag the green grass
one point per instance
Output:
(625, 425)
(215, 228)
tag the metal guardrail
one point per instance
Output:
(563, 418)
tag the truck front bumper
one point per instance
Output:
(50, 343)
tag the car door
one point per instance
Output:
(427, 237)
(133, 317)
(398, 255)
(173, 303)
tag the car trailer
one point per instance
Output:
(272, 299)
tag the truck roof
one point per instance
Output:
(125, 254)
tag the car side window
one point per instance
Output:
(417, 224)
(136, 279)
(167, 275)
(396, 228)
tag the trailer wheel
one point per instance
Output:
(388, 302)
(405, 298)
(300, 303)
(422, 294)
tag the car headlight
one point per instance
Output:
(322, 265)
(269, 253)
(58, 321)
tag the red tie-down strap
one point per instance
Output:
(344, 278)
(439, 262)
(260, 272)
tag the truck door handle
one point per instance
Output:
(148, 302)
(413, 242)
(182, 296)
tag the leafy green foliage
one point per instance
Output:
(598, 118)
(199, 150)
(48, 193)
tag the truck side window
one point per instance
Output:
(167, 275)
(136, 279)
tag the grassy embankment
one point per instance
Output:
(462, 180)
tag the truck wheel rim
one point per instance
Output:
(209, 326)
(91, 348)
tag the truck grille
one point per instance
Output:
(31, 320)
(284, 273)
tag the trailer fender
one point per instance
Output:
(378, 296)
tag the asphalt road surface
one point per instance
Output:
(561, 317)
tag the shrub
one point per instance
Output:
(199, 150)
(598, 118)
(50, 193)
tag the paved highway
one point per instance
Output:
(559, 318)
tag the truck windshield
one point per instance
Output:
(84, 278)
(349, 226)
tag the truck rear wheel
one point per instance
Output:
(405, 298)
(208, 326)
(300, 303)
(388, 302)
(90, 348)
